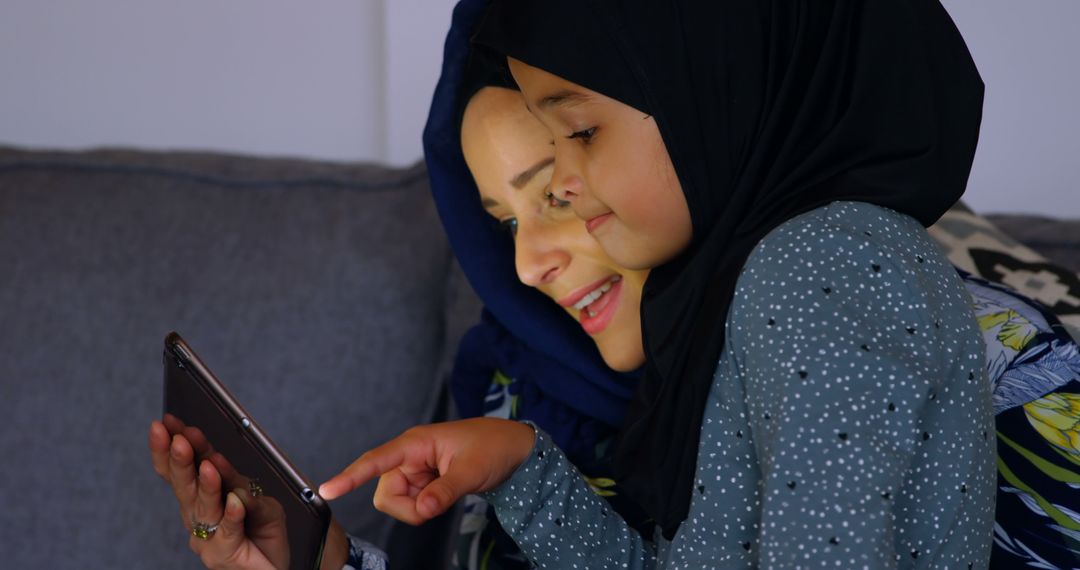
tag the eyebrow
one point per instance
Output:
(526, 175)
(562, 98)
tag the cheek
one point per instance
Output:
(669, 201)
(652, 197)
(622, 347)
(618, 176)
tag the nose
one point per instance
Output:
(539, 260)
(566, 182)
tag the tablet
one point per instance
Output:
(198, 405)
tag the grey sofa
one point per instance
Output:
(324, 293)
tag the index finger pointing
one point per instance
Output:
(369, 466)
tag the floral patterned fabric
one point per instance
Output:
(483, 544)
(364, 556)
(975, 245)
(1034, 366)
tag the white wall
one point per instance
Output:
(415, 32)
(1029, 149)
(260, 76)
(352, 79)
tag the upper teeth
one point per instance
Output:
(596, 293)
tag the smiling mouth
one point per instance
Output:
(596, 307)
(595, 295)
(592, 223)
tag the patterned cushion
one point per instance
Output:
(1035, 371)
(975, 245)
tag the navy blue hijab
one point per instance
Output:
(564, 385)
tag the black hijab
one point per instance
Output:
(768, 109)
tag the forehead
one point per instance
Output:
(501, 139)
(545, 91)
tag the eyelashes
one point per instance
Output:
(510, 225)
(584, 135)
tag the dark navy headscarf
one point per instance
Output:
(563, 384)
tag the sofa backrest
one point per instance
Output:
(319, 292)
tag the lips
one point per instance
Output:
(596, 303)
(592, 223)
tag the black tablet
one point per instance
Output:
(198, 405)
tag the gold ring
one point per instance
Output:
(203, 531)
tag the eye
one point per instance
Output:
(509, 225)
(555, 202)
(585, 135)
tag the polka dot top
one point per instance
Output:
(848, 426)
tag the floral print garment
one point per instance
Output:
(364, 556)
(1034, 366)
(482, 542)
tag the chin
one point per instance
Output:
(632, 259)
(623, 360)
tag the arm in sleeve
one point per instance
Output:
(556, 519)
(844, 351)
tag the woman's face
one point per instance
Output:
(510, 156)
(611, 165)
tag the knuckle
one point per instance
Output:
(209, 561)
(414, 432)
(233, 560)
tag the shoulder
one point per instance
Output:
(847, 265)
(853, 293)
(854, 247)
(839, 233)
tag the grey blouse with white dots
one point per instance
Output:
(848, 426)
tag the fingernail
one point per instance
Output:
(428, 506)
(232, 502)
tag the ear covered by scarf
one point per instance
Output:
(768, 109)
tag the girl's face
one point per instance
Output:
(611, 165)
(510, 156)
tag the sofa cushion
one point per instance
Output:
(1057, 240)
(977, 246)
(316, 291)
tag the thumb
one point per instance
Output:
(231, 528)
(442, 493)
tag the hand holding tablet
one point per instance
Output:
(239, 496)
